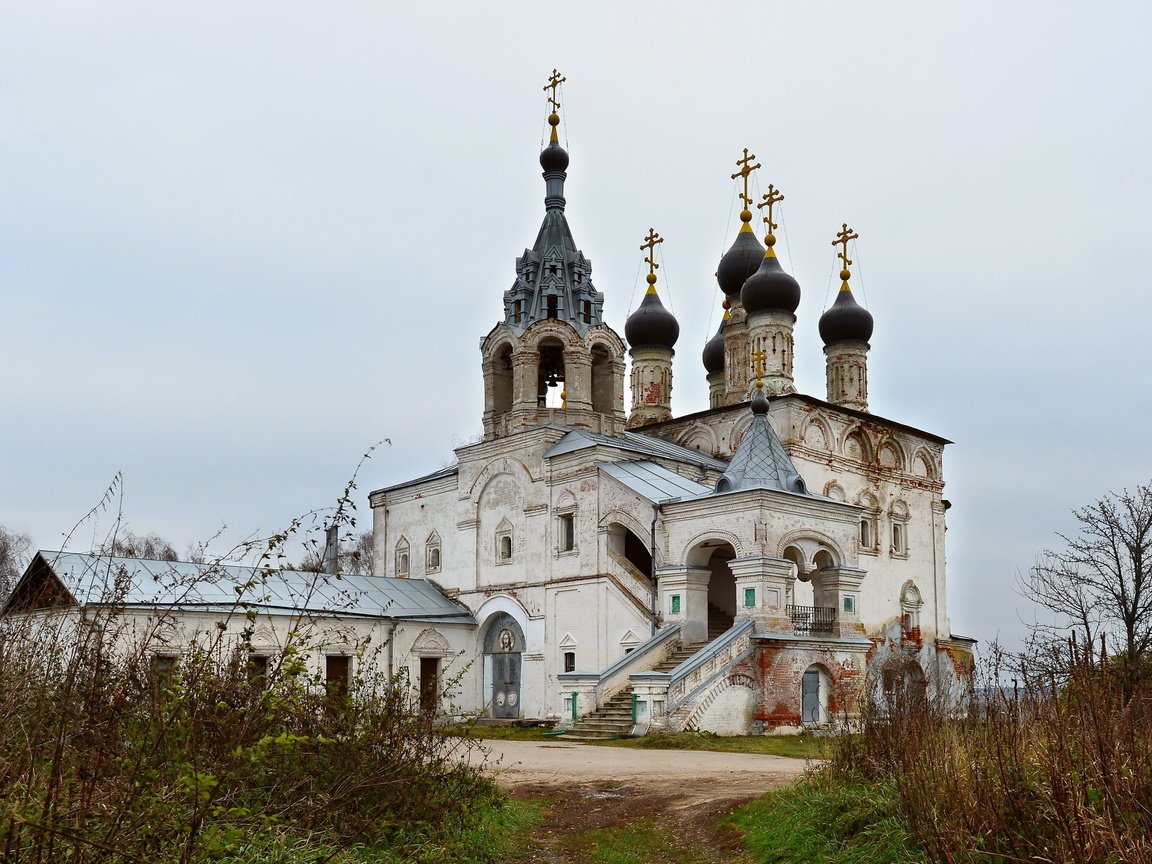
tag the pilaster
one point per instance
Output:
(684, 600)
(763, 586)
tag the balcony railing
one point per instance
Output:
(812, 620)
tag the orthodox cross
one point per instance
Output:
(772, 197)
(650, 243)
(758, 360)
(746, 168)
(842, 238)
(554, 81)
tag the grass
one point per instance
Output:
(641, 842)
(824, 820)
(792, 746)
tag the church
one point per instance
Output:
(761, 566)
(753, 567)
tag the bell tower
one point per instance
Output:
(553, 359)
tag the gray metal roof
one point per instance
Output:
(581, 439)
(145, 583)
(761, 462)
(652, 481)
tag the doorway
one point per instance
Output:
(429, 683)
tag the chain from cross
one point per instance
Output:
(758, 360)
(842, 238)
(553, 82)
(650, 243)
(772, 197)
(746, 168)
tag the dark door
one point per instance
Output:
(506, 686)
(810, 696)
(429, 681)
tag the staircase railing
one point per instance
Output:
(585, 691)
(659, 694)
(633, 581)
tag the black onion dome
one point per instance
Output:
(713, 355)
(651, 324)
(554, 157)
(739, 262)
(770, 288)
(845, 320)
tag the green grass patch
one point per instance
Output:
(504, 733)
(824, 820)
(794, 746)
(497, 833)
(639, 842)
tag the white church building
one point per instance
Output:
(753, 567)
(746, 568)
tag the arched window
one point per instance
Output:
(898, 515)
(432, 553)
(402, 558)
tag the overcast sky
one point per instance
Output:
(241, 242)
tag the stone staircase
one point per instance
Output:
(613, 719)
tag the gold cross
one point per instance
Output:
(758, 360)
(772, 197)
(842, 238)
(553, 82)
(650, 242)
(746, 168)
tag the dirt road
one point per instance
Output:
(599, 787)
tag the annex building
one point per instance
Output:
(745, 568)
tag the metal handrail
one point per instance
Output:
(812, 620)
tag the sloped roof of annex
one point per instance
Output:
(61, 579)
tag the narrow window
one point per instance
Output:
(749, 597)
(553, 311)
(898, 538)
(850, 604)
(675, 604)
(865, 534)
(402, 564)
(433, 559)
(506, 548)
(567, 532)
(587, 312)
(569, 661)
(519, 310)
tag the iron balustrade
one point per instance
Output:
(812, 620)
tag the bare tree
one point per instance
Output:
(1100, 585)
(15, 552)
(355, 561)
(127, 544)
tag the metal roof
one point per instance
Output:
(141, 582)
(652, 481)
(580, 439)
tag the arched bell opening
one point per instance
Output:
(502, 384)
(603, 400)
(550, 374)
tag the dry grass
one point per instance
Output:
(1053, 771)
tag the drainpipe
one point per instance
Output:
(652, 566)
(391, 638)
